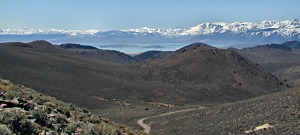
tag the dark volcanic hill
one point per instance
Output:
(38, 46)
(285, 52)
(162, 54)
(152, 54)
(280, 59)
(77, 46)
(107, 55)
(204, 73)
(67, 76)
(199, 74)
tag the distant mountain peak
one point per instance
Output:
(237, 32)
(77, 46)
(295, 20)
(40, 42)
(291, 42)
(286, 46)
(193, 46)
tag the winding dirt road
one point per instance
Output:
(147, 128)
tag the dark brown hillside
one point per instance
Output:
(77, 46)
(281, 59)
(196, 75)
(67, 76)
(152, 54)
(107, 55)
(273, 53)
(204, 73)
(77, 79)
(37, 46)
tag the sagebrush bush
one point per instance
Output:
(87, 129)
(9, 95)
(50, 105)
(4, 130)
(12, 114)
(64, 109)
(5, 85)
(70, 128)
(97, 129)
(94, 119)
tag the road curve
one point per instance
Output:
(147, 128)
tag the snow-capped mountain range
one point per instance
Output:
(219, 32)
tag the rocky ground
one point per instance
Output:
(24, 111)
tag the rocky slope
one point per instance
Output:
(24, 111)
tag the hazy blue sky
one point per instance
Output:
(124, 14)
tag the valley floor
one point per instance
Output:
(280, 112)
(147, 127)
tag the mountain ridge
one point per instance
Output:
(266, 31)
(286, 46)
(280, 59)
(93, 52)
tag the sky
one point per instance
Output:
(126, 14)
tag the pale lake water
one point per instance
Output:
(139, 48)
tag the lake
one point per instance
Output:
(139, 48)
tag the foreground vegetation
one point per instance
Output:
(24, 111)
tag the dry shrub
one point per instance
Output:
(5, 85)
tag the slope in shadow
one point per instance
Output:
(281, 59)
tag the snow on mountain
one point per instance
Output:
(25, 31)
(164, 32)
(269, 30)
(287, 27)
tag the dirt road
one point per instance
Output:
(147, 128)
